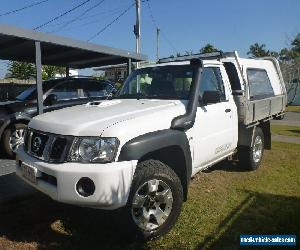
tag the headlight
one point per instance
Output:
(93, 150)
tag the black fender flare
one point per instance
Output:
(139, 146)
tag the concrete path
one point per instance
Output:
(290, 119)
(285, 138)
(7, 166)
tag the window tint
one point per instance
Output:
(211, 81)
(259, 84)
(162, 82)
(66, 90)
(94, 88)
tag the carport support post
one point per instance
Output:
(129, 66)
(39, 87)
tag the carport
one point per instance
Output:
(46, 49)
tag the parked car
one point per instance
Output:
(58, 93)
(168, 122)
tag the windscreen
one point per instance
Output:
(27, 94)
(30, 93)
(161, 82)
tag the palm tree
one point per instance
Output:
(208, 48)
(258, 50)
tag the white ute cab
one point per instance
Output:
(139, 150)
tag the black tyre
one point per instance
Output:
(12, 138)
(250, 157)
(155, 200)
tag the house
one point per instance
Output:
(118, 72)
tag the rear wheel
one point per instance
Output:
(250, 157)
(155, 200)
(12, 138)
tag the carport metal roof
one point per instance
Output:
(19, 45)
(41, 48)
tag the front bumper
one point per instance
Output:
(112, 181)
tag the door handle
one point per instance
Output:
(227, 110)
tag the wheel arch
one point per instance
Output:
(245, 135)
(266, 129)
(168, 146)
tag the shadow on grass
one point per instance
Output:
(296, 131)
(258, 213)
(36, 218)
(227, 166)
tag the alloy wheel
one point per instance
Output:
(16, 139)
(152, 204)
(257, 149)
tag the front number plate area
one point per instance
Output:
(29, 173)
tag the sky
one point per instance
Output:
(186, 25)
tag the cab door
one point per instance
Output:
(213, 131)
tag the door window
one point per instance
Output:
(211, 81)
(94, 88)
(66, 90)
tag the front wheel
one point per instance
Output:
(155, 200)
(12, 138)
(250, 157)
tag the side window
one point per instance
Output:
(94, 89)
(212, 81)
(259, 84)
(65, 90)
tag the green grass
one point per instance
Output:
(223, 203)
(293, 109)
(285, 130)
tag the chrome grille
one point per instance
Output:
(47, 147)
(38, 143)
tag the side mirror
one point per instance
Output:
(210, 97)
(50, 99)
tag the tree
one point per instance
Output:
(20, 70)
(50, 71)
(25, 71)
(290, 68)
(208, 48)
(296, 47)
(285, 55)
(259, 50)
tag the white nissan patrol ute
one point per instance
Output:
(139, 150)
